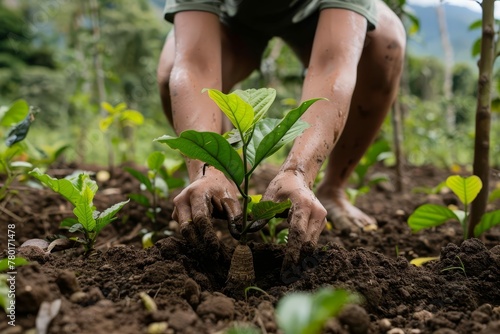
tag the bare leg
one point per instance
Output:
(379, 72)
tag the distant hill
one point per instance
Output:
(428, 42)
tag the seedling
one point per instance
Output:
(157, 182)
(272, 237)
(80, 190)
(466, 189)
(256, 288)
(125, 120)
(306, 313)
(17, 118)
(461, 267)
(377, 152)
(257, 137)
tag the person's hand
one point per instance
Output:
(210, 194)
(307, 217)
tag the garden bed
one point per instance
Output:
(101, 293)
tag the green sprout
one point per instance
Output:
(80, 190)
(466, 189)
(7, 290)
(157, 182)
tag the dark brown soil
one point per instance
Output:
(101, 293)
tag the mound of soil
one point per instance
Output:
(173, 287)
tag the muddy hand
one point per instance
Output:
(196, 205)
(306, 219)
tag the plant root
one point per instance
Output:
(241, 271)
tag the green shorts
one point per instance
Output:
(271, 16)
(258, 21)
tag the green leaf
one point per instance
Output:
(155, 160)
(239, 112)
(264, 127)
(63, 187)
(16, 112)
(84, 210)
(274, 139)
(211, 148)
(108, 215)
(478, 24)
(260, 100)
(16, 262)
(269, 209)
(430, 215)
(132, 117)
(494, 195)
(140, 177)
(303, 313)
(67, 223)
(488, 220)
(19, 131)
(282, 237)
(465, 188)
(476, 48)
(108, 107)
(105, 123)
(141, 199)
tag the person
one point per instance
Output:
(353, 52)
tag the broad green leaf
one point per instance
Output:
(465, 188)
(239, 112)
(476, 24)
(420, 261)
(260, 100)
(430, 215)
(140, 177)
(140, 198)
(16, 112)
(269, 209)
(16, 262)
(105, 123)
(155, 160)
(211, 148)
(264, 127)
(132, 116)
(108, 215)
(274, 139)
(108, 107)
(67, 223)
(476, 48)
(488, 220)
(84, 210)
(63, 187)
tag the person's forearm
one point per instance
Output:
(325, 118)
(197, 65)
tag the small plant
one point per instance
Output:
(466, 189)
(460, 267)
(272, 237)
(17, 119)
(377, 152)
(80, 190)
(257, 137)
(157, 182)
(125, 121)
(306, 313)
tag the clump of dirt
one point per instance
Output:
(103, 292)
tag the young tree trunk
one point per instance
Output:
(483, 113)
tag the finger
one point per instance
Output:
(314, 230)
(296, 237)
(182, 214)
(231, 207)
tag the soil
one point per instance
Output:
(174, 287)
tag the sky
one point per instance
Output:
(471, 4)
